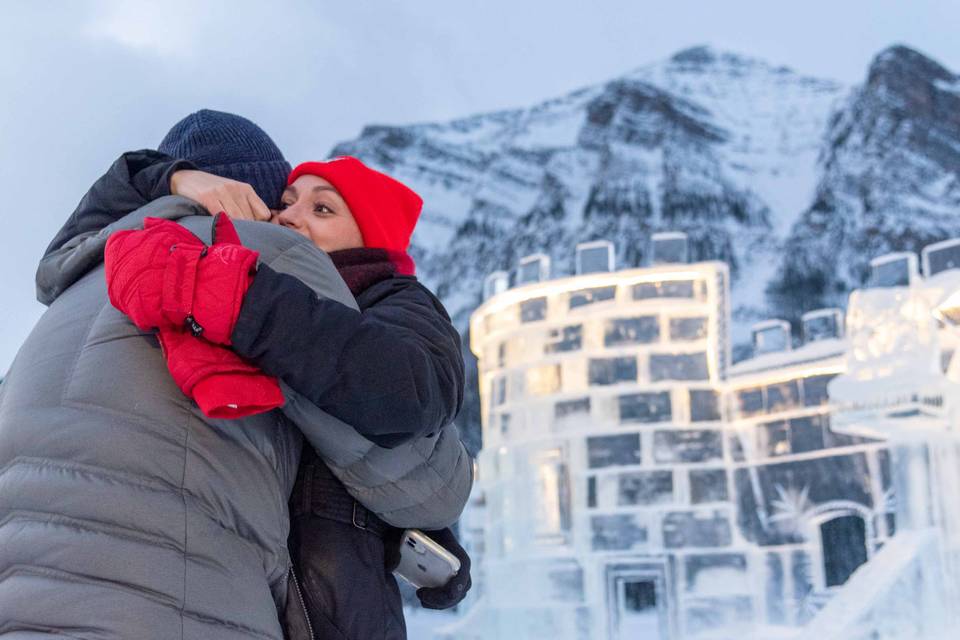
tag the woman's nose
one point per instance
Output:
(287, 217)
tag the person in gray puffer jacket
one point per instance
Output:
(124, 512)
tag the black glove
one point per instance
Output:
(450, 594)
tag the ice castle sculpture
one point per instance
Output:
(636, 484)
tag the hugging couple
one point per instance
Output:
(221, 427)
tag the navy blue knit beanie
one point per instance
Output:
(232, 147)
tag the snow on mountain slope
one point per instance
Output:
(890, 181)
(721, 146)
(795, 181)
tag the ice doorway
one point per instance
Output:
(844, 544)
(638, 602)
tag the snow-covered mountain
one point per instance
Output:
(718, 145)
(889, 180)
(795, 181)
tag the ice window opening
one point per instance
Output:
(585, 297)
(771, 336)
(823, 324)
(594, 257)
(708, 485)
(495, 284)
(606, 371)
(893, 270)
(533, 310)
(688, 329)
(783, 396)
(685, 529)
(614, 450)
(571, 408)
(619, 532)
(679, 366)
(644, 488)
(626, 331)
(704, 405)
(645, 407)
(535, 268)
(689, 289)
(552, 512)
(669, 248)
(941, 256)
(807, 434)
(542, 381)
(815, 390)
(498, 391)
(797, 435)
(774, 438)
(750, 402)
(564, 339)
(687, 446)
(716, 574)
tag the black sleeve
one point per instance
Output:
(135, 179)
(393, 371)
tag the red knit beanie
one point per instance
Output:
(385, 209)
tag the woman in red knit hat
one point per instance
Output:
(343, 204)
(363, 219)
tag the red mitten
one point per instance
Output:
(210, 305)
(164, 275)
(221, 382)
(135, 263)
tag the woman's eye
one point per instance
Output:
(322, 208)
(283, 205)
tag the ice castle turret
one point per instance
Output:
(603, 460)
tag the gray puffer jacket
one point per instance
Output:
(125, 513)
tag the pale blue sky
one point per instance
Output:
(83, 81)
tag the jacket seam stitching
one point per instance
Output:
(183, 499)
(68, 383)
(47, 572)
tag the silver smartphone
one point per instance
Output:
(423, 562)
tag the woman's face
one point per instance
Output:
(313, 208)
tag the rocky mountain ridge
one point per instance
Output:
(796, 182)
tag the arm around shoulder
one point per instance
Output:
(393, 371)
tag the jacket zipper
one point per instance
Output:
(303, 605)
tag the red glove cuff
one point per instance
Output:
(236, 395)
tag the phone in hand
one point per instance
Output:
(423, 562)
